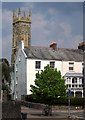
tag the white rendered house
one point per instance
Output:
(27, 60)
(74, 82)
(31, 60)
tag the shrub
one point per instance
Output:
(74, 101)
(77, 101)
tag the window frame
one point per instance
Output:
(71, 66)
(52, 64)
(37, 64)
(71, 69)
(74, 80)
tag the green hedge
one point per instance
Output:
(74, 101)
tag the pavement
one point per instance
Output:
(56, 114)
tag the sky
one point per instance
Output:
(60, 22)
(43, 0)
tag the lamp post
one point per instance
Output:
(69, 94)
(84, 83)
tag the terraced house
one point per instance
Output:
(27, 60)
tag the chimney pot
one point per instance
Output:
(53, 45)
(81, 46)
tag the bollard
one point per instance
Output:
(24, 116)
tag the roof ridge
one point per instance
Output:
(58, 48)
(68, 48)
(40, 46)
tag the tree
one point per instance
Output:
(49, 85)
(6, 77)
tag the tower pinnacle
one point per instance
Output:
(19, 13)
(14, 14)
(24, 14)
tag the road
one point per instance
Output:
(36, 112)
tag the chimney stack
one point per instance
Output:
(53, 45)
(81, 46)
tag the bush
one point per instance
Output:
(61, 101)
(74, 101)
(77, 101)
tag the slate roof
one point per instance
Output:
(47, 53)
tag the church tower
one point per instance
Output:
(21, 32)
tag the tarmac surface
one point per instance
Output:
(36, 114)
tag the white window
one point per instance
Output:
(68, 79)
(16, 94)
(80, 80)
(75, 86)
(80, 86)
(16, 67)
(71, 63)
(38, 64)
(19, 58)
(71, 66)
(74, 80)
(52, 64)
(16, 80)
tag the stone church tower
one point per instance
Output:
(21, 31)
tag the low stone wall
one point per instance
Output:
(32, 105)
(11, 109)
(0, 110)
(66, 107)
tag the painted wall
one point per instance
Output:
(63, 66)
(31, 70)
(20, 75)
(26, 71)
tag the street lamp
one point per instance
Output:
(82, 47)
(69, 94)
(84, 84)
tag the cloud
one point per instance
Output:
(76, 40)
(43, 0)
(6, 33)
(66, 28)
(0, 31)
(40, 30)
(6, 47)
(48, 26)
(44, 31)
(7, 21)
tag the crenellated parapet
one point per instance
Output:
(18, 17)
